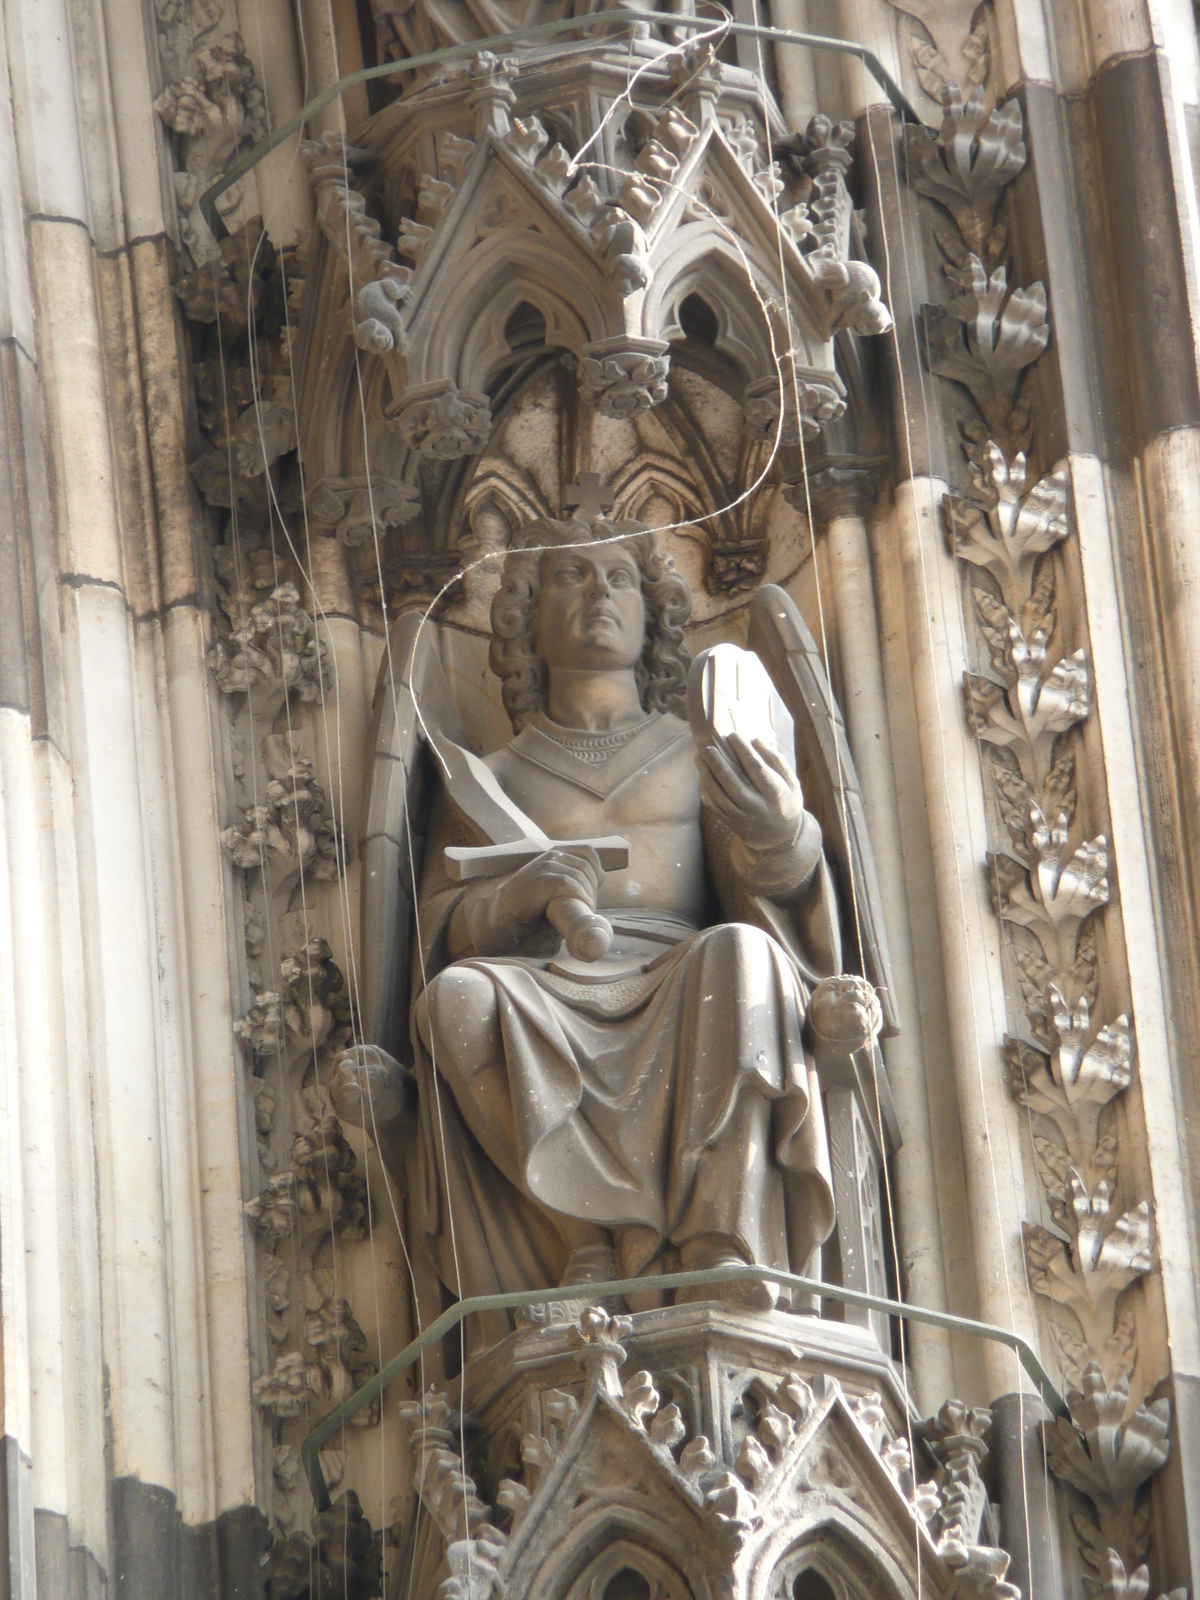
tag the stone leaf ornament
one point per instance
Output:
(1051, 880)
(623, 381)
(213, 107)
(271, 668)
(982, 336)
(1049, 884)
(1109, 1454)
(344, 1556)
(958, 49)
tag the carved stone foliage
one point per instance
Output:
(284, 847)
(353, 508)
(212, 104)
(441, 421)
(806, 399)
(949, 44)
(983, 337)
(736, 1490)
(345, 1557)
(234, 303)
(1108, 1455)
(1049, 880)
(934, 72)
(621, 377)
(1047, 886)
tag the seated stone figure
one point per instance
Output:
(652, 1109)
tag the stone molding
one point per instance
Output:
(838, 486)
(1049, 882)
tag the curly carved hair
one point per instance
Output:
(662, 671)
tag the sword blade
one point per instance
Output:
(473, 790)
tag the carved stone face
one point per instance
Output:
(590, 613)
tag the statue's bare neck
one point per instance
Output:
(577, 697)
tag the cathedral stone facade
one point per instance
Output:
(600, 711)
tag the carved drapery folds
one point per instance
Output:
(1049, 880)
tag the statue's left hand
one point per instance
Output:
(758, 796)
(366, 1088)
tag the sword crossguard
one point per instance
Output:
(464, 863)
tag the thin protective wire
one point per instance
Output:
(924, 389)
(845, 820)
(782, 375)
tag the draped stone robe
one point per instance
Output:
(662, 1092)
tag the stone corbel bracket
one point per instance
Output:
(807, 397)
(353, 509)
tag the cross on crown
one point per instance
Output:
(589, 497)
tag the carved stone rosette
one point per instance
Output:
(808, 399)
(442, 422)
(622, 377)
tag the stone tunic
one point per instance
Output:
(662, 1092)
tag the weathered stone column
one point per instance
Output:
(842, 493)
(126, 1332)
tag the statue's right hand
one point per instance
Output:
(563, 873)
(366, 1087)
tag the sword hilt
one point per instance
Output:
(587, 933)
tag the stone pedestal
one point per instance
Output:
(693, 1451)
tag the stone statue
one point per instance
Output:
(654, 1108)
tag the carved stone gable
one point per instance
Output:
(703, 1455)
